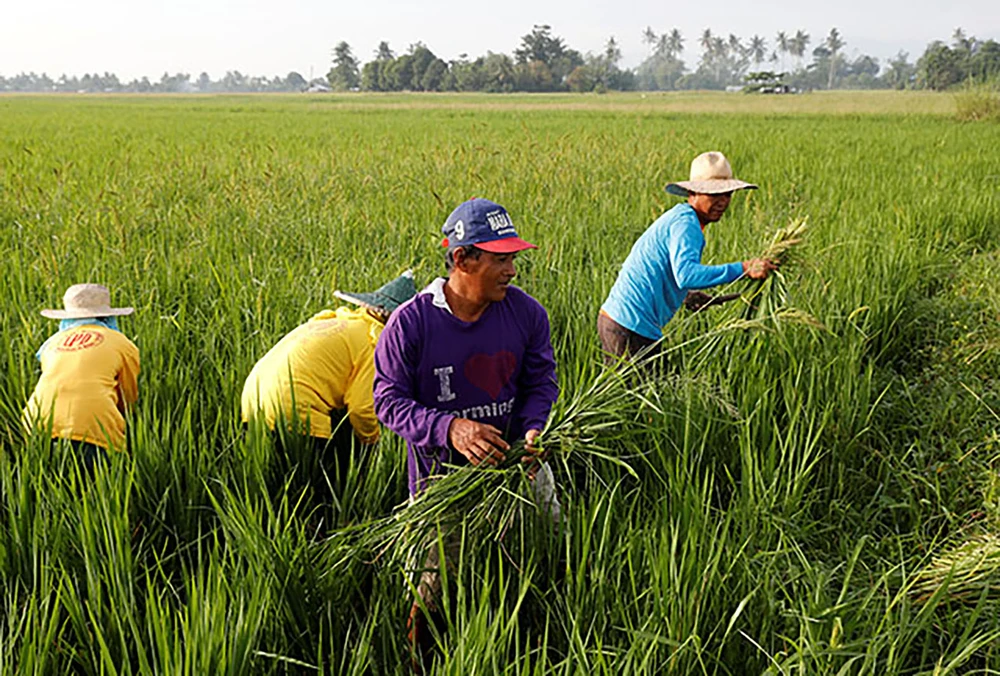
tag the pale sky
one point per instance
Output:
(259, 37)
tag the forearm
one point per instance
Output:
(417, 424)
(693, 276)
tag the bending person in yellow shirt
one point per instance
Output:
(308, 379)
(89, 375)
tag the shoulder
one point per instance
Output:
(119, 340)
(523, 304)
(412, 310)
(682, 214)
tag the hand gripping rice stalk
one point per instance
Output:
(593, 424)
(770, 298)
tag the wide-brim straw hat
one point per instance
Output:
(387, 297)
(710, 175)
(83, 301)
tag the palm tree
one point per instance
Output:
(649, 36)
(782, 43)
(962, 41)
(799, 44)
(834, 43)
(706, 39)
(675, 42)
(719, 51)
(758, 49)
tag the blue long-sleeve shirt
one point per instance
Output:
(664, 264)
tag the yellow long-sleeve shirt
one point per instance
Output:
(89, 377)
(324, 365)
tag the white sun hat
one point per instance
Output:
(710, 175)
(83, 301)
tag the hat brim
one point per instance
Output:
(505, 245)
(372, 301)
(715, 186)
(88, 314)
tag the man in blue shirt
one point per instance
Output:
(664, 268)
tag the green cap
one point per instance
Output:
(387, 297)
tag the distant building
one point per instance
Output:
(317, 86)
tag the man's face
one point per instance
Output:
(709, 207)
(490, 274)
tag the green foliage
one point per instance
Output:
(978, 100)
(344, 74)
(792, 490)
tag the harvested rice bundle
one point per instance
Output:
(966, 569)
(770, 298)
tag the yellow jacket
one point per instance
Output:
(89, 377)
(324, 365)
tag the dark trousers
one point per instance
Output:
(318, 463)
(619, 342)
(88, 455)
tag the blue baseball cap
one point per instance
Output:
(485, 224)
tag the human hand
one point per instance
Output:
(533, 455)
(759, 268)
(479, 442)
(696, 300)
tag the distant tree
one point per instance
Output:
(675, 43)
(798, 44)
(384, 53)
(940, 67)
(498, 73)
(581, 80)
(434, 75)
(551, 51)
(706, 39)
(295, 82)
(984, 64)
(234, 81)
(344, 75)
(899, 73)
(782, 46)
(371, 76)
(757, 49)
(662, 68)
(862, 73)
(834, 43)
(649, 36)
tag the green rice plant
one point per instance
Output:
(977, 101)
(766, 502)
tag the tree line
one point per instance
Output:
(543, 62)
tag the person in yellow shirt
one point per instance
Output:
(89, 375)
(319, 369)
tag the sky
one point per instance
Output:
(134, 38)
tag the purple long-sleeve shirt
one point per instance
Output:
(431, 367)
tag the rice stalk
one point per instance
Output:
(967, 570)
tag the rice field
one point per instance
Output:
(787, 498)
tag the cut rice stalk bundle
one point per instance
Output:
(487, 502)
(770, 298)
(967, 569)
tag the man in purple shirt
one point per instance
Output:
(466, 366)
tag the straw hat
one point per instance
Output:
(83, 301)
(710, 175)
(387, 297)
